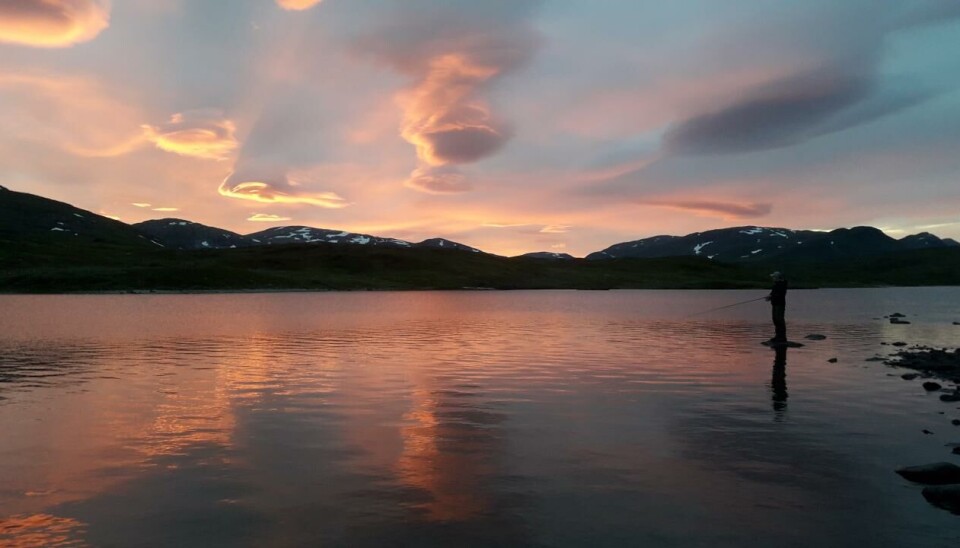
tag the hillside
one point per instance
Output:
(49, 246)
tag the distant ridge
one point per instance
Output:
(25, 215)
(756, 244)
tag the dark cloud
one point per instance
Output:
(845, 90)
(779, 115)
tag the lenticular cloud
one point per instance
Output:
(52, 23)
(197, 133)
(453, 57)
(297, 5)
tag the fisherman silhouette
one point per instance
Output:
(778, 302)
(778, 384)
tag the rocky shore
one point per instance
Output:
(940, 367)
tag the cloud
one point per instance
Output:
(166, 209)
(140, 204)
(275, 187)
(297, 5)
(203, 133)
(842, 87)
(438, 180)
(555, 229)
(74, 113)
(726, 210)
(454, 55)
(267, 218)
(52, 23)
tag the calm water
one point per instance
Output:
(476, 418)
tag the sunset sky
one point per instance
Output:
(508, 125)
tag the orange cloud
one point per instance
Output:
(438, 180)
(166, 209)
(444, 119)
(276, 189)
(267, 218)
(52, 23)
(196, 133)
(140, 204)
(555, 229)
(297, 5)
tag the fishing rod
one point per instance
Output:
(727, 306)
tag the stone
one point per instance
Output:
(897, 315)
(832, 360)
(909, 376)
(945, 497)
(927, 432)
(874, 359)
(815, 337)
(955, 422)
(931, 386)
(938, 473)
(899, 321)
(956, 323)
(899, 343)
(950, 397)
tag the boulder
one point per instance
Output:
(909, 376)
(815, 337)
(832, 360)
(938, 473)
(950, 397)
(899, 321)
(946, 497)
(897, 315)
(931, 386)
(899, 343)
(956, 422)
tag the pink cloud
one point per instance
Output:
(52, 23)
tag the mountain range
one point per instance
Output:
(47, 245)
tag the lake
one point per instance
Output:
(541, 418)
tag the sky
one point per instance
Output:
(508, 125)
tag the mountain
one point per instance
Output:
(441, 243)
(29, 219)
(758, 244)
(50, 246)
(181, 234)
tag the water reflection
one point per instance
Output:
(538, 419)
(778, 384)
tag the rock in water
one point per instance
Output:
(946, 497)
(832, 360)
(950, 397)
(899, 321)
(815, 337)
(909, 376)
(899, 343)
(776, 344)
(938, 473)
(930, 386)
(956, 422)
(897, 315)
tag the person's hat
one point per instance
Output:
(777, 276)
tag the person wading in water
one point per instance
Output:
(778, 300)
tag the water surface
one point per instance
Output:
(551, 418)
